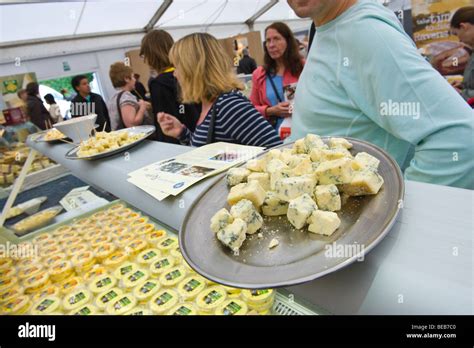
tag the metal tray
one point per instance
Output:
(40, 138)
(301, 256)
(147, 130)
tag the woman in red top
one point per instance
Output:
(283, 66)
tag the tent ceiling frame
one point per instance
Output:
(158, 14)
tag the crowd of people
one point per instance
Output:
(360, 61)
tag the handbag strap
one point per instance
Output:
(121, 124)
(274, 87)
(210, 133)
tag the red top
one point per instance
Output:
(258, 96)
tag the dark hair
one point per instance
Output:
(20, 92)
(76, 81)
(291, 57)
(136, 76)
(155, 49)
(463, 15)
(32, 88)
(49, 99)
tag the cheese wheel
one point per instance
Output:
(147, 256)
(18, 305)
(5, 263)
(117, 231)
(42, 238)
(256, 297)
(8, 272)
(191, 286)
(136, 277)
(131, 217)
(165, 244)
(173, 276)
(76, 299)
(53, 260)
(116, 208)
(51, 290)
(185, 308)
(125, 239)
(95, 272)
(146, 289)
(11, 293)
(123, 212)
(125, 270)
(121, 305)
(115, 259)
(87, 309)
(46, 305)
(76, 249)
(36, 282)
(69, 285)
(211, 298)
(135, 246)
(153, 237)
(163, 301)
(140, 222)
(51, 250)
(139, 311)
(162, 264)
(102, 283)
(232, 307)
(83, 262)
(105, 297)
(100, 240)
(143, 229)
(104, 250)
(61, 270)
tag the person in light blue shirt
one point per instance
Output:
(365, 79)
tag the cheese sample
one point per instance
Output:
(121, 305)
(46, 305)
(299, 146)
(274, 206)
(173, 276)
(327, 197)
(161, 265)
(246, 211)
(236, 176)
(312, 141)
(211, 298)
(256, 165)
(335, 172)
(145, 290)
(273, 154)
(163, 301)
(367, 161)
(251, 191)
(300, 209)
(324, 222)
(191, 286)
(275, 165)
(286, 155)
(291, 188)
(262, 178)
(233, 235)
(220, 220)
(339, 142)
(363, 183)
(278, 175)
(304, 166)
(232, 307)
(185, 308)
(322, 155)
(104, 298)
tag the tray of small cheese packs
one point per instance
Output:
(294, 213)
(113, 261)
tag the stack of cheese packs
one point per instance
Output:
(115, 262)
(304, 183)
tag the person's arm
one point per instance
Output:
(245, 124)
(172, 127)
(468, 83)
(259, 104)
(440, 123)
(163, 99)
(130, 116)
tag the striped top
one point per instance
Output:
(237, 121)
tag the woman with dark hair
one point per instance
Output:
(37, 113)
(282, 68)
(155, 49)
(54, 110)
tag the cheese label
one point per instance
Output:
(173, 275)
(183, 310)
(124, 301)
(108, 296)
(147, 287)
(163, 299)
(84, 311)
(167, 242)
(135, 276)
(103, 282)
(162, 263)
(149, 255)
(77, 298)
(258, 292)
(191, 285)
(126, 269)
(44, 305)
(212, 297)
(232, 308)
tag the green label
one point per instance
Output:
(125, 270)
(135, 276)
(75, 299)
(147, 287)
(84, 311)
(149, 255)
(162, 263)
(173, 275)
(191, 285)
(163, 299)
(108, 296)
(258, 292)
(103, 282)
(182, 311)
(124, 301)
(212, 297)
(231, 308)
(168, 242)
(44, 305)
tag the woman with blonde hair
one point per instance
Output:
(205, 75)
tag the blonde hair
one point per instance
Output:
(204, 67)
(155, 49)
(118, 72)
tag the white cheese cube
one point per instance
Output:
(312, 141)
(274, 206)
(275, 165)
(251, 191)
(291, 188)
(327, 197)
(286, 154)
(367, 161)
(339, 142)
(295, 160)
(246, 211)
(300, 209)
(321, 155)
(220, 220)
(262, 178)
(278, 175)
(256, 165)
(299, 146)
(367, 182)
(323, 222)
(304, 167)
(236, 176)
(273, 154)
(233, 235)
(335, 172)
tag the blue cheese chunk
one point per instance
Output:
(286, 155)
(256, 165)
(335, 172)
(236, 176)
(303, 167)
(300, 209)
(293, 187)
(246, 211)
(327, 197)
(339, 142)
(299, 146)
(274, 206)
(278, 175)
(367, 161)
(262, 178)
(367, 182)
(322, 155)
(220, 220)
(233, 235)
(323, 222)
(273, 154)
(251, 191)
(275, 165)
(312, 141)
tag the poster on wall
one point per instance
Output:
(431, 33)
(10, 85)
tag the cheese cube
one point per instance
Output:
(278, 175)
(246, 211)
(304, 167)
(275, 165)
(236, 176)
(321, 155)
(220, 220)
(273, 243)
(291, 188)
(251, 191)
(256, 165)
(262, 178)
(323, 222)
(335, 172)
(327, 197)
(286, 154)
(274, 206)
(300, 209)
(233, 235)
(273, 154)
(339, 142)
(312, 141)
(367, 182)
(366, 161)
(295, 160)
(299, 146)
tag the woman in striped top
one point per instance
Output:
(205, 76)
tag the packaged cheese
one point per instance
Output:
(51, 290)
(96, 271)
(76, 299)
(116, 259)
(125, 269)
(143, 229)
(163, 301)
(185, 308)
(139, 311)
(173, 276)
(135, 246)
(46, 305)
(167, 244)
(136, 277)
(102, 283)
(61, 270)
(147, 256)
(121, 305)
(17, 306)
(87, 309)
(191, 286)
(211, 298)
(153, 237)
(8, 283)
(162, 264)
(232, 307)
(146, 289)
(36, 283)
(11, 293)
(104, 250)
(104, 298)
(69, 285)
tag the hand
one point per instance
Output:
(456, 84)
(170, 125)
(280, 110)
(144, 104)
